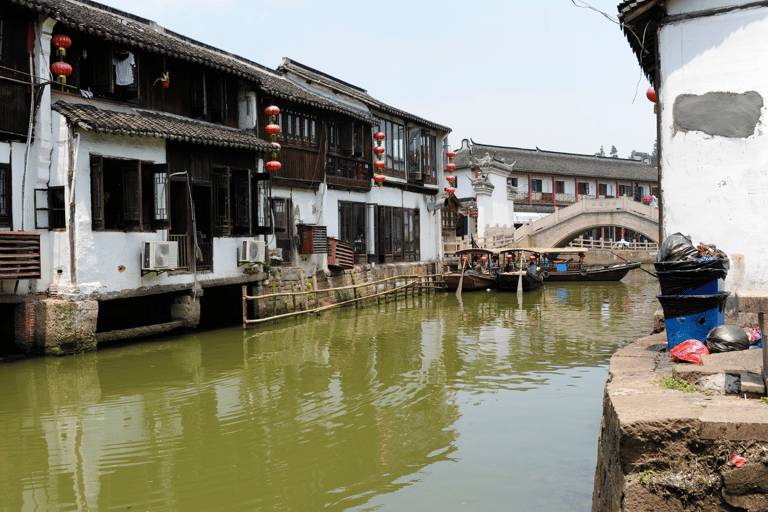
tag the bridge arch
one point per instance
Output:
(559, 228)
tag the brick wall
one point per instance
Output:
(24, 325)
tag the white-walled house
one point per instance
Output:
(706, 60)
(136, 184)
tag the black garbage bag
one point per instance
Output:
(704, 263)
(677, 247)
(676, 281)
(727, 338)
(675, 306)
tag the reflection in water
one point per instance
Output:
(422, 404)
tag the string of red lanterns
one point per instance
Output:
(61, 69)
(273, 129)
(450, 166)
(379, 163)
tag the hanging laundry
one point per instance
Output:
(124, 63)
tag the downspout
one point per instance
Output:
(73, 151)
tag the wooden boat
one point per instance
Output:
(519, 266)
(555, 269)
(478, 274)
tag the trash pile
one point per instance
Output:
(691, 279)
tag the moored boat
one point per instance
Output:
(478, 268)
(554, 269)
(519, 270)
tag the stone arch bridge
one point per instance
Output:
(562, 226)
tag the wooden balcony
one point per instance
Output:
(19, 255)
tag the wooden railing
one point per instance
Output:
(311, 301)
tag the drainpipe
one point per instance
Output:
(73, 150)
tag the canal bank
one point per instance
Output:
(667, 450)
(52, 325)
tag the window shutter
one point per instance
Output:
(417, 234)
(132, 191)
(347, 138)
(221, 221)
(198, 94)
(241, 184)
(103, 69)
(261, 192)
(97, 192)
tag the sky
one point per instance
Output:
(551, 74)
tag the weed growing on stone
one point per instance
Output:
(764, 400)
(645, 476)
(674, 382)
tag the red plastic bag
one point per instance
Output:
(738, 460)
(689, 351)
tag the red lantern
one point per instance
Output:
(378, 150)
(484, 258)
(465, 258)
(379, 164)
(61, 42)
(509, 256)
(450, 167)
(651, 94)
(532, 258)
(272, 111)
(62, 70)
(379, 136)
(273, 166)
(379, 179)
(276, 146)
(450, 190)
(450, 154)
(450, 179)
(272, 129)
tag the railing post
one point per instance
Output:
(245, 306)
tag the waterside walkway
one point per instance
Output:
(667, 450)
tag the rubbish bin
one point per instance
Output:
(692, 277)
(692, 316)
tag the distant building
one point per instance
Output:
(511, 186)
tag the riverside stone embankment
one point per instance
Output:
(662, 449)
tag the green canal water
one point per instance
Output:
(424, 404)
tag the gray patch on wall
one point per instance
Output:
(726, 114)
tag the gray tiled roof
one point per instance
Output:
(145, 123)
(639, 20)
(111, 24)
(361, 95)
(566, 164)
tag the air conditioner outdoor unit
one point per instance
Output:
(160, 256)
(252, 251)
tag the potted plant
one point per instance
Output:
(165, 80)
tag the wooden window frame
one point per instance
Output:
(49, 212)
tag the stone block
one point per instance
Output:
(65, 327)
(752, 301)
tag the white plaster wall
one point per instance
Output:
(5, 153)
(714, 188)
(685, 6)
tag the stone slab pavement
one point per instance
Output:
(633, 388)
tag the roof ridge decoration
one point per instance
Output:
(489, 161)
